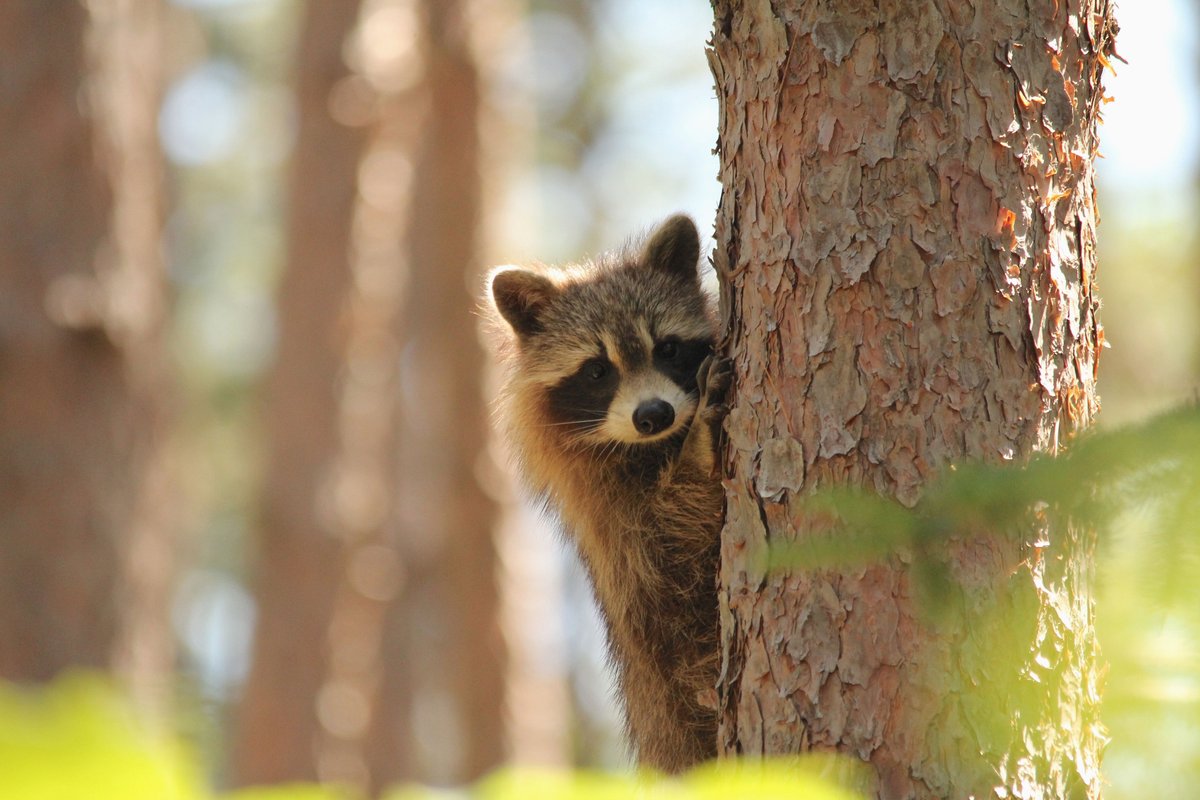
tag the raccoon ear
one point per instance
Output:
(521, 297)
(674, 247)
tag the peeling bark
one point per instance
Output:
(906, 241)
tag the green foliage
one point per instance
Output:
(1097, 479)
(292, 791)
(78, 739)
(811, 778)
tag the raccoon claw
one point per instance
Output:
(714, 414)
(702, 374)
(714, 379)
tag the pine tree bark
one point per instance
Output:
(906, 240)
(87, 547)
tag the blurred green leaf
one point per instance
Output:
(291, 791)
(1154, 467)
(811, 778)
(78, 739)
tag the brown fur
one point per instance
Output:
(646, 518)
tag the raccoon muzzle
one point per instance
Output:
(653, 416)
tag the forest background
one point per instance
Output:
(596, 119)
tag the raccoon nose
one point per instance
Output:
(653, 416)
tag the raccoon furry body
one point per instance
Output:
(611, 400)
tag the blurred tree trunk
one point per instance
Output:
(300, 558)
(86, 555)
(448, 622)
(907, 237)
(377, 592)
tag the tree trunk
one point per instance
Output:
(86, 556)
(449, 620)
(906, 239)
(300, 556)
(377, 592)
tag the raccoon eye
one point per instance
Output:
(595, 369)
(668, 349)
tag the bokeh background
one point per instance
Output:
(325, 572)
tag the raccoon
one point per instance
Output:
(612, 402)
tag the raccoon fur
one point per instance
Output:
(611, 402)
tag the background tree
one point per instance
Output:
(907, 237)
(376, 583)
(86, 568)
(446, 644)
(299, 557)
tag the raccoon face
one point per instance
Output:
(614, 348)
(634, 390)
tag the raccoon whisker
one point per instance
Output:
(590, 424)
(582, 436)
(584, 426)
(603, 449)
(610, 448)
(597, 447)
(581, 431)
(578, 422)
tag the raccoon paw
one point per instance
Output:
(714, 379)
(715, 414)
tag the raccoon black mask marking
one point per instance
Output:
(610, 402)
(620, 340)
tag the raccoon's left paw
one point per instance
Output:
(714, 378)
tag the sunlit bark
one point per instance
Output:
(907, 241)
